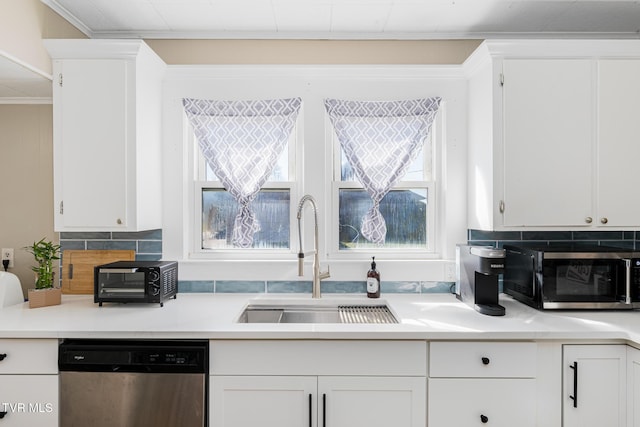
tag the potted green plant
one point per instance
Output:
(45, 293)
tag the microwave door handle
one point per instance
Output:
(627, 266)
(118, 270)
(534, 284)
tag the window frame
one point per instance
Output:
(198, 173)
(431, 251)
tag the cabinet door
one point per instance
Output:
(594, 385)
(548, 142)
(618, 142)
(458, 402)
(90, 134)
(372, 401)
(633, 387)
(237, 401)
(29, 400)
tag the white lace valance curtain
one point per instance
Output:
(242, 141)
(380, 140)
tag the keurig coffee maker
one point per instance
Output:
(477, 272)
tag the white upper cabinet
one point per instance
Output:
(553, 134)
(618, 142)
(107, 135)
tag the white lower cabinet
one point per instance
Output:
(477, 402)
(278, 401)
(482, 383)
(633, 387)
(594, 385)
(315, 383)
(28, 383)
(29, 400)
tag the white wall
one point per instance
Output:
(313, 84)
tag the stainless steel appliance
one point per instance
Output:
(136, 281)
(573, 276)
(477, 274)
(133, 384)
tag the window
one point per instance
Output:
(234, 144)
(408, 208)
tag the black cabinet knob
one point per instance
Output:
(484, 419)
(486, 360)
(2, 356)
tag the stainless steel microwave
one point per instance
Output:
(136, 282)
(572, 277)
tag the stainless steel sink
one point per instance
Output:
(316, 313)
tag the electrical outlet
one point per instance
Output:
(7, 253)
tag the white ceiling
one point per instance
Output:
(352, 19)
(18, 83)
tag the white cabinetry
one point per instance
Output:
(594, 385)
(313, 383)
(107, 135)
(633, 387)
(478, 383)
(553, 135)
(29, 383)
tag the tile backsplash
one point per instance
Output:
(148, 247)
(146, 244)
(621, 239)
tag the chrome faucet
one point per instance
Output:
(317, 274)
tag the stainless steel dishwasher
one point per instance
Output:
(133, 383)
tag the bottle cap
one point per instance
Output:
(373, 263)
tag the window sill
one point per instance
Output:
(341, 270)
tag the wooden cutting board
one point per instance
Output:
(77, 268)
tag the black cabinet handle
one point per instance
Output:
(484, 419)
(310, 411)
(3, 356)
(324, 410)
(2, 414)
(486, 360)
(575, 384)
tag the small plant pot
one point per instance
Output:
(44, 297)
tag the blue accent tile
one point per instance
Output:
(438, 287)
(112, 244)
(148, 257)
(85, 235)
(66, 245)
(150, 247)
(138, 235)
(597, 235)
(623, 244)
(186, 286)
(239, 286)
(493, 235)
(547, 235)
(289, 287)
(349, 287)
(482, 242)
(629, 235)
(400, 287)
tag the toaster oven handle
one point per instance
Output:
(627, 266)
(533, 278)
(118, 270)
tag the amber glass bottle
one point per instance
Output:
(373, 281)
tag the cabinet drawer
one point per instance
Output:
(483, 359)
(311, 357)
(27, 356)
(480, 402)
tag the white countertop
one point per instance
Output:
(212, 316)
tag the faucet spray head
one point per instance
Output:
(301, 264)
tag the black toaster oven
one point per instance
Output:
(135, 282)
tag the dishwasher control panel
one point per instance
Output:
(133, 356)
